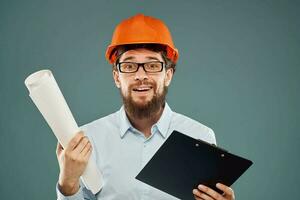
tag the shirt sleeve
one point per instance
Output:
(76, 196)
(82, 194)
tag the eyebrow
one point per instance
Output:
(152, 58)
(148, 57)
(128, 58)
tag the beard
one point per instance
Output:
(149, 108)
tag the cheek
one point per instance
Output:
(124, 87)
(160, 85)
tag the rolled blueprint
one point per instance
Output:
(48, 98)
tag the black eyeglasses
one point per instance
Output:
(131, 67)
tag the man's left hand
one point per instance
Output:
(205, 193)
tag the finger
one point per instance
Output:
(86, 149)
(81, 144)
(201, 195)
(211, 192)
(87, 155)
(88, 152)
(87, 144)
(74, 141)
(227, 190)
(59, 149)
(197, 198)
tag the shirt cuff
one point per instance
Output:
(76, 196)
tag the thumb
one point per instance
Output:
(59, 149)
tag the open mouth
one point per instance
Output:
(142, 88)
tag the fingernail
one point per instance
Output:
(194, 191)
(201, 186)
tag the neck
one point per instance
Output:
(145, 124)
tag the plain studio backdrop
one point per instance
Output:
(238, 73)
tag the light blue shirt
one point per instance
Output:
(121, 151)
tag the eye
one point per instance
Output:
(153, 66)
(128, 67)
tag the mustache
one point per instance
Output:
(140, 82)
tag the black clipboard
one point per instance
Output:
(182, 163)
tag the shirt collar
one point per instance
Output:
(124, 122)
(164, 121)
(162, 124)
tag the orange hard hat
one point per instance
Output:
(141, 29)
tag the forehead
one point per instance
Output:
(140, 55)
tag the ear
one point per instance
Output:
(169, 76)
(116, 78)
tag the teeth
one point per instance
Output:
(142, 88)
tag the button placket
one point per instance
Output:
(145, 189)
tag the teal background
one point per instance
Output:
(238, 73)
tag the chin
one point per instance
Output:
(142, 103)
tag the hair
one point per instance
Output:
(119, 50)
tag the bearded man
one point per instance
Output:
(143, 59)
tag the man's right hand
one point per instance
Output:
(72, 163)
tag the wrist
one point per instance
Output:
(68, 187)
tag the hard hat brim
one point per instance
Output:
(172, 53)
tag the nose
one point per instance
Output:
(141, 74)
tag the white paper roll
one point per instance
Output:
(48, 98)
